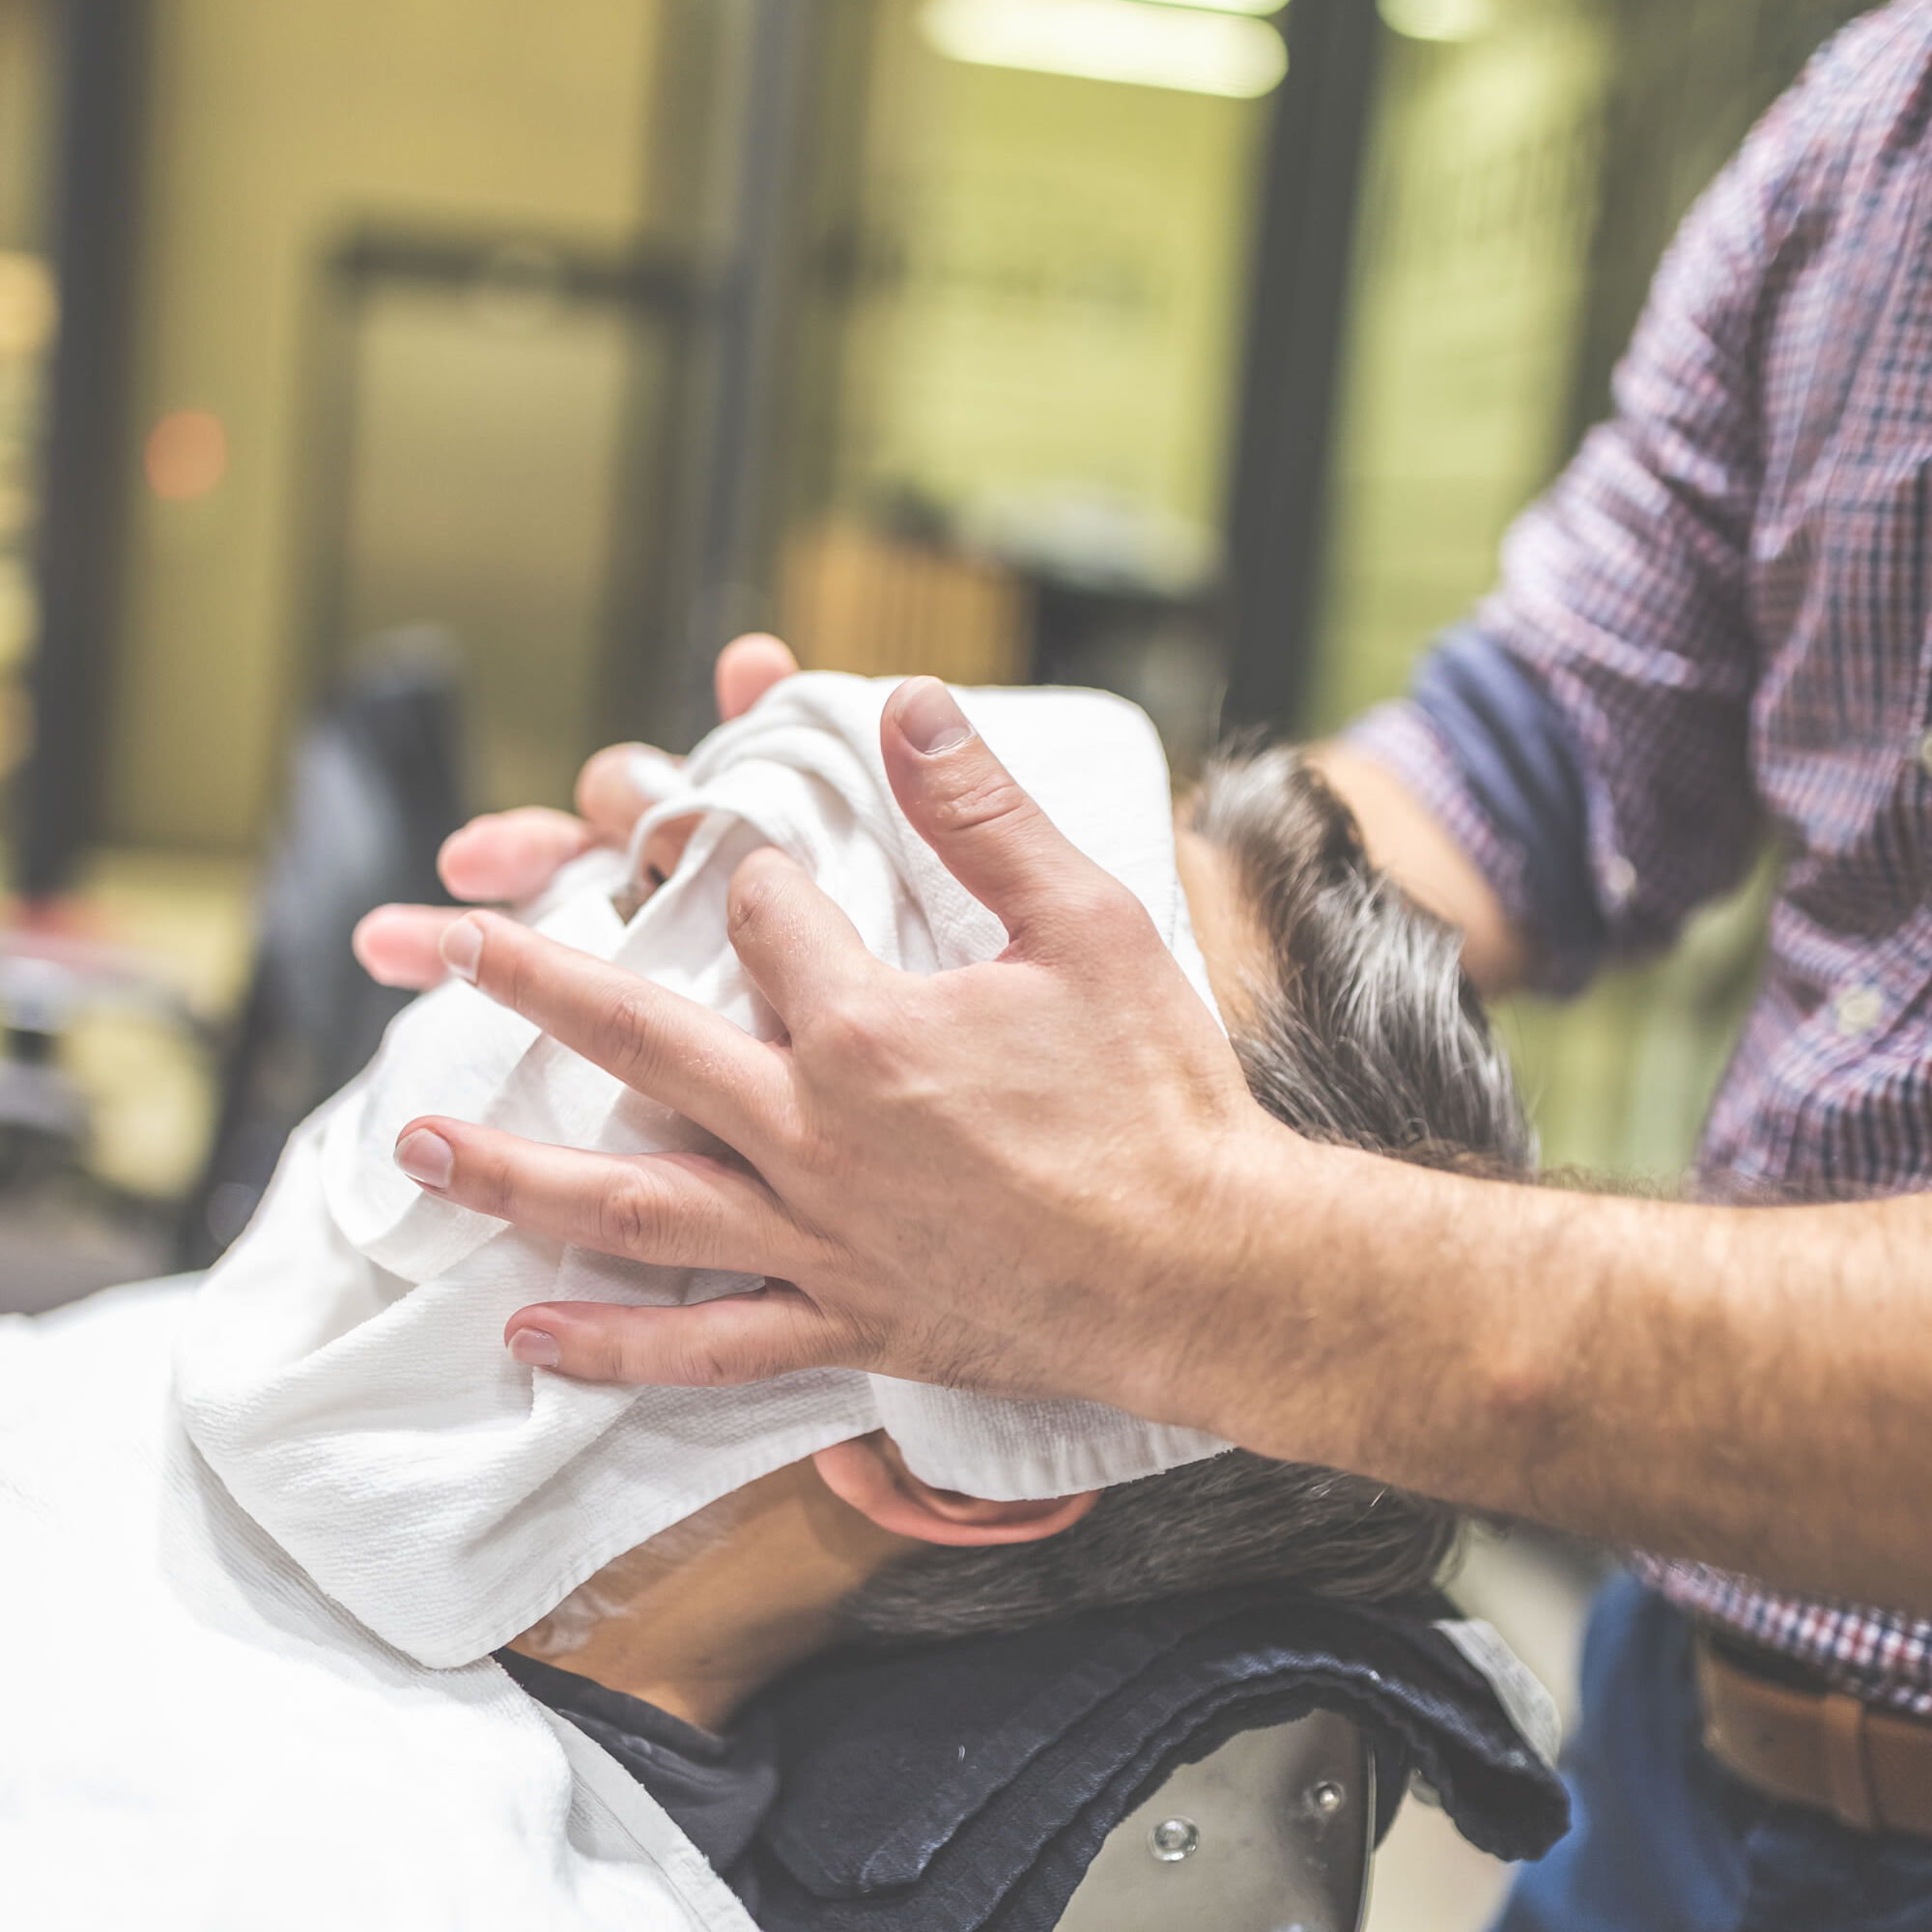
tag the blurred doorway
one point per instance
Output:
(488, 480)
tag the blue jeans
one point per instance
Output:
(1662, 1839)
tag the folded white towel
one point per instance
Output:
(343, 1368)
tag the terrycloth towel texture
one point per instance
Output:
(967, 1786)
(343, 1371)
(193, 1739)
(968, 1789)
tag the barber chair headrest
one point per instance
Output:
(972, 1786)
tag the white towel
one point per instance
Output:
(343, 1370)
(197, 1741)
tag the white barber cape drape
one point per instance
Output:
(193, 1739)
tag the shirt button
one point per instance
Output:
(1857, 1009)
(1620, 877)
(1925, 753)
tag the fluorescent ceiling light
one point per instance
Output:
(1439, 19)
(1159, 45)
(1225, 6)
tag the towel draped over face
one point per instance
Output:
(343, 1368)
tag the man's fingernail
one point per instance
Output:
(462, 946)
(930, 720)
(534, 1348)
(427, 1157)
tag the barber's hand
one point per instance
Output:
(508, 855)
(1012, 1176)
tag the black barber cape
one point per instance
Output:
(966, 1786)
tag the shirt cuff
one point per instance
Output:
(1403, 738)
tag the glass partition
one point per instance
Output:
(1032, 283)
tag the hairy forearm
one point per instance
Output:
(1751, 1387)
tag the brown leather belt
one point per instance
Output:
(1871, 1769)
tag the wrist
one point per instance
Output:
(1351, 1319)
(1241, 1308)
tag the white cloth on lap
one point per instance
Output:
(343, 1370)
(196, 1740)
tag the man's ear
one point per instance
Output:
(869, 1475)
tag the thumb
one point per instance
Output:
(983, 826)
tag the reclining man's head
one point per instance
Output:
(1353, 1024)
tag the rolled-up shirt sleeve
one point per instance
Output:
(1584, 736)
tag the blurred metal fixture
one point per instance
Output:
(783, 59)
(1280, 486)
(520, 285)
(1174, 1839)
(1272, 1832)
(103, 55)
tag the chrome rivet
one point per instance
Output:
(1174, 1839)
(1327, 1797)
(1857, 1009)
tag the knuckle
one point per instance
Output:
(794, 1145)
(612, 1356)
(759, 1360)
(621, 1035)
(850, 1027)
(630, 1218)
(488, 1181)
(986, 800)
(505, 966)
(1109, 910)
(752, 902)
(859, 1344)
(1100, 917)
(706, 1365)
(1092, 895)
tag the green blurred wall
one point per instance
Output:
(28, 87)
(1051, 295)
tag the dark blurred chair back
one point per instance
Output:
(376, 790)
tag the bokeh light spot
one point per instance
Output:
(186, 454)
(28, 305)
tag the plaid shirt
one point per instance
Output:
(1720, 613)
